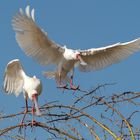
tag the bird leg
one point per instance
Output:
(26, 110)
(35, 109)
(26, 103)
(35, 98)
(33, 112)
(73, 87)
(71, 81)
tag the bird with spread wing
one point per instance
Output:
(35, 42)
(16, 81)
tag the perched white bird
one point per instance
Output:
(35, 43)
(16, 81)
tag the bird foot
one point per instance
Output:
(34, 123)
(63, 86)
(72, 87)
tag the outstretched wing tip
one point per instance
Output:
(27, 12)
(33, 40)
(30, 13)
(33, 14)
(99, 58)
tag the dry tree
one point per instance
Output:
(99, 117)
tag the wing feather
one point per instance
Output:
(98, 58)
(13, 78)
(33, 40)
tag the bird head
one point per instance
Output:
(79, 58)
(69, 54)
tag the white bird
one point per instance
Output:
(36, 43)
(16, 81)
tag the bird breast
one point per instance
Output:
(32, 86)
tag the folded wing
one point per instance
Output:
(98, 58)
(33, 40)
(13, 78)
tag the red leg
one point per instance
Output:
(35, 107)
(26, 110)
(38, 112)
(33, 112)
(71, 84)
(26, 103)
(71, 81)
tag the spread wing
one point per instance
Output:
(33, 40)
(98, 58)
(13, 78)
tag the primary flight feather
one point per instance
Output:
(36, 43)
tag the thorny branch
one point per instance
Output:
(109, 119)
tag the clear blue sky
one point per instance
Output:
(77, 24)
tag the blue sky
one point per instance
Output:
(79, 25)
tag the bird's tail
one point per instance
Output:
(54, 75)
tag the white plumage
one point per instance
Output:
(16, 81)
(35, 43)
